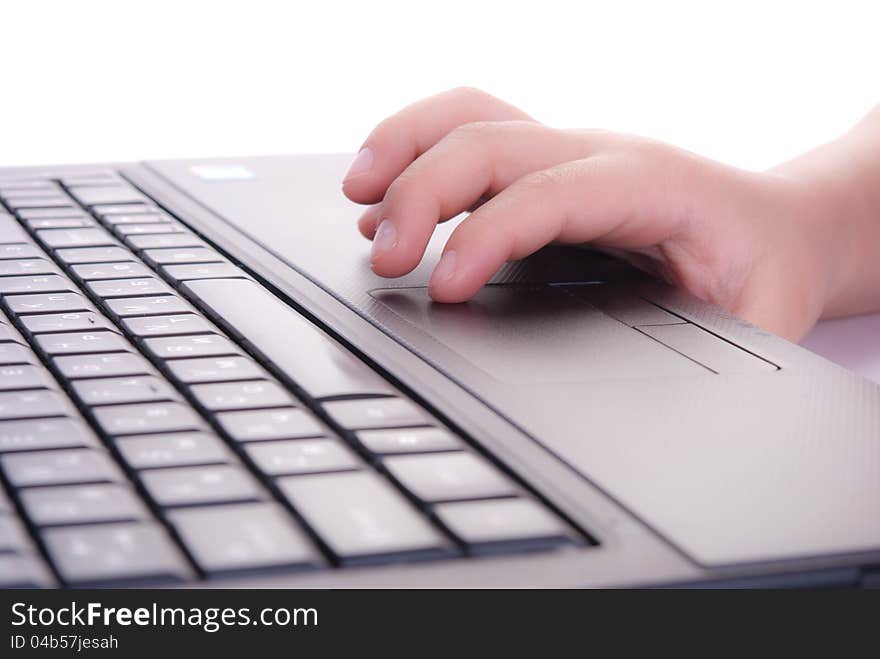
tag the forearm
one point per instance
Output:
(842, 184)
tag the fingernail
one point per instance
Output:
(385, 238)
(361, 164)
(445, 268)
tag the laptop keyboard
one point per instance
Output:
(164, 418)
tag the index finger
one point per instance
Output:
(403, 137)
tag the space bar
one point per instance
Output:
(314, 361)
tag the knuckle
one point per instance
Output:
(546, 178)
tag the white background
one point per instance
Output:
(750, 83)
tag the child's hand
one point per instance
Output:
(758, 244)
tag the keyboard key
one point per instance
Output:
(173, 450)
(302, 456)
(90, 271)
(243, 537)
(13, 536)
(58, 302)
(94, 255)
(61, 238)
(188, 486)
(361, 517)
(487, 524)
(71, 343)
(100, 366)
(306, 354)
(82, 504)
(32, 183)
(202, 271)
(65, 322)
(51, 213)
(30, 404)
(168, 325)
(204, 345)
(42, 434)
(111, 194)
(91, 178)
(39, 202)
(270, 424)
(33, 193)
(25, 377)
(23, 571)
(11, 231)
(135, 218)
(115, 552)
(20, 252)
(128, 287)
(377, 413)
(242, 395)
(147, 418)
(139, 242)
(215, 369)
(13, 353)
(60, 468)
(10, 334)
(35, 284)
(123, 230)
(409, 440)
(147, 306)
(114, 391)
(27, 267)
(105, 211)
(60, 223)
(157, 257)
(449, 477)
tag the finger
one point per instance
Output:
(473, 161)
(614, 201)
(401, 138)
(368, 221)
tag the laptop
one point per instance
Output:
(203, 384)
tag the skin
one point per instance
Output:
(780, 248)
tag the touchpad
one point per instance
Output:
(537, 334)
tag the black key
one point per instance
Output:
(260, 425)
(147, 306)
(362, 517)
(27, 267)
(215, 369)
(13, 353)
(35, 284)
(377, 413)
(242, 537)
(82, 504)
(305, 353)
(487, 524)
(60, 223)
(104, 211)
(25, 377)
(31, 404)
(449, 477)
(123, 230)
(202, 271)
(135, 389)
(65, 322)
(128, 287)
(139, 242)
(61, 238)
(302, 456)
(173, 450)
(147, 418)
(59, 302)
(168, 325)
(21, 251)
(11, 231)
(51, 213)
(157, 257)
(74, 343)
(242, 395)
(111, 194)
(135, 218)
(409, 440)
(94, 255)
(204, 345)
(110, 553)
(129, 269)
(60, 468)
(42, 434)
(101, 366)
(188, 486)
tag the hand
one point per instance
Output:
(757, 244)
